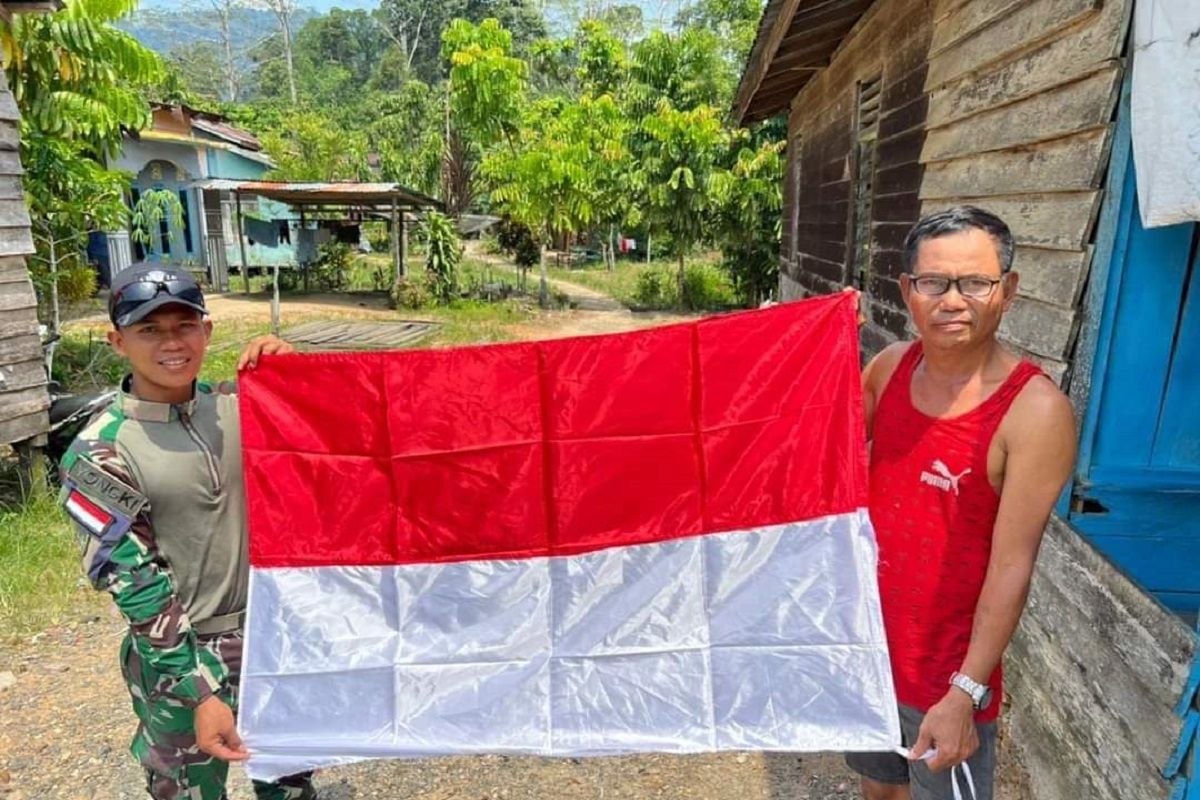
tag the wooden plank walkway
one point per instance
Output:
(358, 335)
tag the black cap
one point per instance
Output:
(164, 286)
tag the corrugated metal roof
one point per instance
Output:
(227, 132)
(338, 193)
(334, 193)
(179, 138)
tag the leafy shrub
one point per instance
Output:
(290, 279)
(85, 361)
(331, 270)
(706, 288)
(655, 289)
(412, 294)
(76, 283)
(517, 240)
(443, 257)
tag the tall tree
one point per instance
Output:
(748, 198)
(407, 128)
(284, 11)
(627, 22)
(687, 68)
(354, 40)
(680, 165)
(488, 84)
(308, 147)
(735, 22)
(75, 75)
(602, 62)
(416, 27)
(199, 69)
(79, 83)
(563, 173)
(225, 13)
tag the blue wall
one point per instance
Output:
(228, 164)
(179, 164)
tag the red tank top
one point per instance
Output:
(934, 509)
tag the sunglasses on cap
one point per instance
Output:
(132, 295)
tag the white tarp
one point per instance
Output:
(1166, 110)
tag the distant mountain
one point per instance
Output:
(319, 6)
(162, 27)
(655, 11)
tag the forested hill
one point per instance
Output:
(164, 27)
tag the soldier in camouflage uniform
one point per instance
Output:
(154, 485)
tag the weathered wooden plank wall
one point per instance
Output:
(1007, 104)
(890, 42)
(1093, 674)
(1022, 95)
(23, 396)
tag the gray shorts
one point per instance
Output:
(924, 784)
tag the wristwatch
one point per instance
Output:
(981, 695)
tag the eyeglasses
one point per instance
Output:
(133, 295)
(975, 286)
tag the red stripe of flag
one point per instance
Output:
(556, 447)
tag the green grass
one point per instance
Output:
(619, 284)
(41, 579)
(478, 322)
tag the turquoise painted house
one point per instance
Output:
(188, 153)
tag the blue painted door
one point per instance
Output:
(1138, 496)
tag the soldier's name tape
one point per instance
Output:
(104, 489)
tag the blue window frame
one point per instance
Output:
(1136, 493)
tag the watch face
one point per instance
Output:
(985, 699)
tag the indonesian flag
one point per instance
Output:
(87, 513)
(651, 541)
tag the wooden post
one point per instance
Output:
(403, 244)
(242, 244)
(397, 248)
(543, 284)
(275, 299)
(299, 237)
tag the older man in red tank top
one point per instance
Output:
(970, 447)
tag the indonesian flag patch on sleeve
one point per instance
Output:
(91, 516)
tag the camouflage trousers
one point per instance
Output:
(165, 742)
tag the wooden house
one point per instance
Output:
(23, 395)
(185, 151)
(899, 107)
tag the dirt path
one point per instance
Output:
(592, 311)
(65, 719)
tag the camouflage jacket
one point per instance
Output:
(155, 491)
